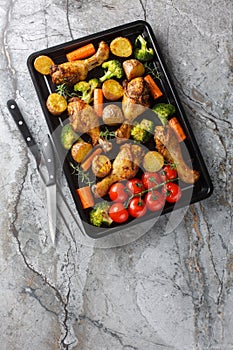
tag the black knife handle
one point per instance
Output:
(49, 158)
(23, 128)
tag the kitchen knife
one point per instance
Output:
(49, 158)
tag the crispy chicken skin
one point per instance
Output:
(135, 101)
(72, 72)
(83, 119)
(125, 166)
(168, 145)
(136, 98)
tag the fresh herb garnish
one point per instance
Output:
(153, 69)
(84, 177)
(107, 134)
(64, 91)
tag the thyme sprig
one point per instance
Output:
(107, 134)
(153, 70)
(82, 174)
(64, 91)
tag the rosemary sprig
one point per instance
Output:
(82, 174)
(153, 70)
(107, 135)
(63, 90)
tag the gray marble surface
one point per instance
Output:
(169, 289)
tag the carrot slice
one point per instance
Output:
(177, 128)
(153, 87)
(80, 53)
(85, 196)
(98, 99)
(88, 161)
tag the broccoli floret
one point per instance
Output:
(114, 69)
(163, 111)
(68, 136)
(86, 89)
(141, 132)
(142, 53)
(99, 214)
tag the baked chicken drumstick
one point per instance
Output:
(168, 145)
(125, 166)
(70, 73)
(83, 119)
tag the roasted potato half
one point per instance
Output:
(42, 64)
(133, 68)
(101, 165)
(112, 115)
(80, 150)
(153, 161)
(112, 90)
(56, 104)
(121, 47)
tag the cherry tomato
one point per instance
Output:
(137, 207)
(118, 213)
(154, 200)
(135, 185)
(169, 172)
(172, 192)
(117, 192)
(150, 179)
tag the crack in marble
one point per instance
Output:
(5, 45)
(143, 9)
(68, 19)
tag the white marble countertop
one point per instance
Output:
(169, 289)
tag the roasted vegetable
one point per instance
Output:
(86, 89)
(141, 52)
(85, 196)
(112, 115)
(68, 136)
(121, 47)
(141, 132)
(101, 165)
(42, 64)
(56, 104)
(113, 69)
(153, 161)
(112, 90)
(80, 150)
(163, 111)
(133, 68)
(99, 214)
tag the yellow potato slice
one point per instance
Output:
(42, 64)
(56, 104)
(121, 47)
(153, 161)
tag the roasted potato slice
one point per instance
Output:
(101, 165)
(112, 90)
(112, 115)
(42, 64)
(133, 68)
(121, 47)
(56, 104)
(153, 161)
(80, 150)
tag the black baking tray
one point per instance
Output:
(199, 191)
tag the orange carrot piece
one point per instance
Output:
(85, 196)
(153, 87)
(177, 128)
(98, 100)
(80, 53)
(88, 161)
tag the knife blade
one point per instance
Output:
(51, 190)
(49, 158)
